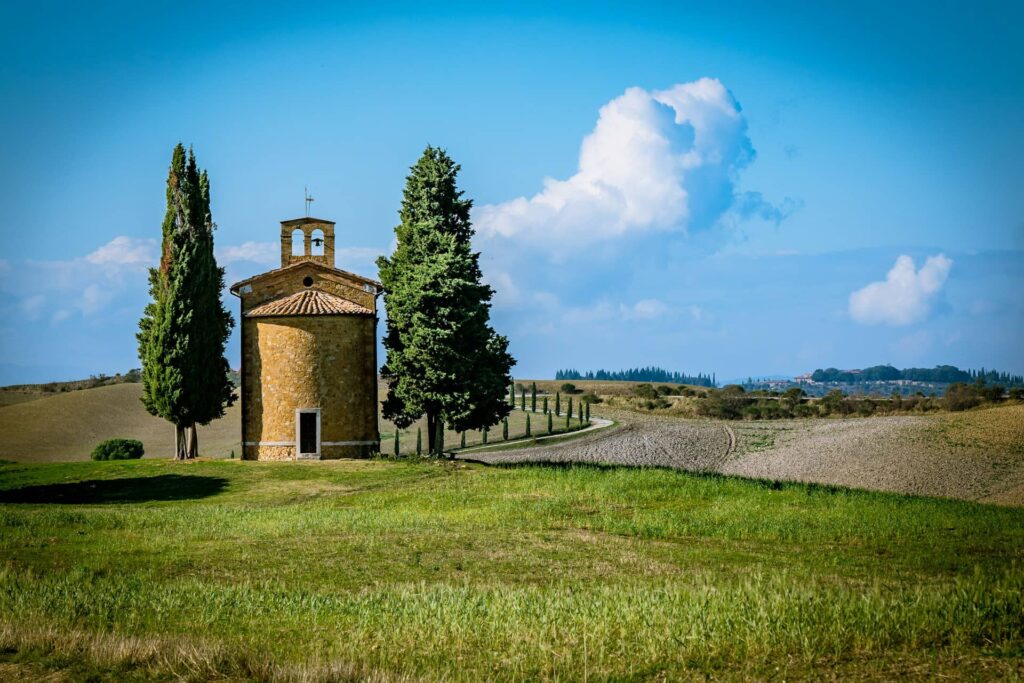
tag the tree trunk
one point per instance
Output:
(193, 441)
(431, 433)
(180, 446)
(440, 437)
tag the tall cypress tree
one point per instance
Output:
(184, 329)
(443, 357)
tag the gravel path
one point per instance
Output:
(880, 453)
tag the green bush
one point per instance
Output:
(590, 397)
(655, 404)
(645, 391)
(960, 396)
(118, 449)
(570, 388)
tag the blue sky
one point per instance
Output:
(713, 187)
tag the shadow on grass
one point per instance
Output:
(128, 490)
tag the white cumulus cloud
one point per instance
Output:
(906, 294)
(655, 161)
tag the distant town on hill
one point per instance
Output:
(886, 379)
(881, 380)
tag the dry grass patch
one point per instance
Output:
(998, 429)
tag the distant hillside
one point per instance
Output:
(17, 393)
(942, 374)
(651, 374)
(68, 425)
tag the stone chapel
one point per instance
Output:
(309, 353)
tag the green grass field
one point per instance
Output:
(403, 571)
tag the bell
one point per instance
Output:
(318, 242)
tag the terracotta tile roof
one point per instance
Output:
(309, 302)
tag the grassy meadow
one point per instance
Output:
(388, 570)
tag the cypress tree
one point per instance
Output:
(545, 404)
(512, 393)
(528, 424)
(558, 404)
(588, 412)
(550, 426)
(485, 435)
(567, 416)
(504, 428)
(185, 327)
(569, 411)
(443, 358)
(419, 441)
(533, 397)
(397, 452)
(522, 400)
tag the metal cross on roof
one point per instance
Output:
(309, 199)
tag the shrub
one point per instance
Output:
(645, 391)
(960, 396)
(805, 410)
(1017, 394)
(590, 397)
(665, 390)
(832, 402)
(118, 449)
(655, 404)
(721, 404)
(866, 407)
(570, 388)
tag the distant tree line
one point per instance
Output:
(946, 374)
(732, 403)
(651, 374)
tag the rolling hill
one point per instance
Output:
(68, 426)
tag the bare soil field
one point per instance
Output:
(976, 455)
(950, 455)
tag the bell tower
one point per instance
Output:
(307, 239)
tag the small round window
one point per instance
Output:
(308, 281)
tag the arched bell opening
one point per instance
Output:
(317, 243)
(298, 243)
